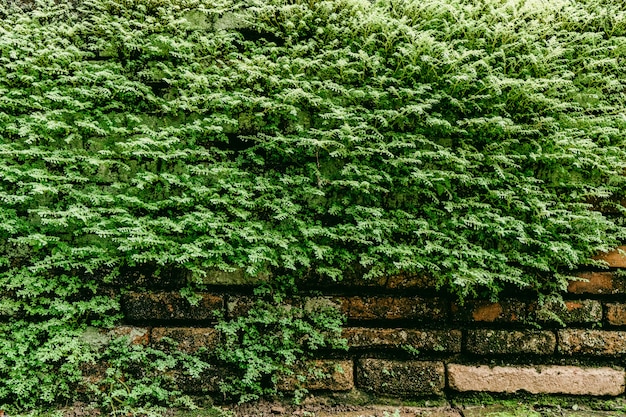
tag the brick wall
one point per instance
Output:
(503, 347)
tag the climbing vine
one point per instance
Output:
(480, 143)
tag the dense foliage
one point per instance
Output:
(464, 140)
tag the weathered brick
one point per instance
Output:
(135, 335)
(570, 380)
(401, 378)
(240, 305)
(616, 314)
(597, 283)
(237, 277)
(487, 342)
(614, 258)
(189, 339)
(393, 308)
(395, 282)
(99, 338)
(326, 375)
(485, 311)
(427, 340)
(171, 306)
(576, 311)
(592, 342)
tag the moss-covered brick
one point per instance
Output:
(393, 308)
(401, 378)
(188, 339)
(170, 306)
(597, 283)
(485, 311)
(321, 374)
(616, 314)
(592, 342)
(615, 258)
(570, 312)
(237, 277)
(384, 338)
(507, 342)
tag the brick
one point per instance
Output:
(597, 283)
(485, 311)
(616, 314)
(135, 335)
(189, 339)
(169, 306)
(321, 375)
(393, 308)
(571, 380)
(592, 342)
(238, 277)
(614, 258)
(99, 338)
(392, 282)
(240, 306)
(378, 338)
(401, 378)
(573, 311)
(504, 342)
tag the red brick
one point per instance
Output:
(616, 314)
(592, 342)
(509, 342)
(170, 306)
(614, 258)
(427, 340)
(393, 308)
(596, 283)
(189, 339)
(569, 380)
(401, 378)
(485, 311)
(321, 375)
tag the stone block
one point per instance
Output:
(571, 312)
(615, 258)
(393, 308)
(570, 380)
(506, 342)
(616, 314)
(597, 283)
(320, 375)
(401, 378)
(188, 339)
(422, 340)
(170, 306)
(484, 311)
(592, 342)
